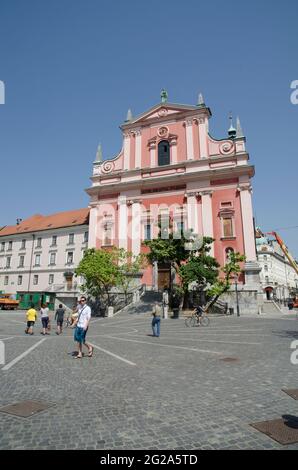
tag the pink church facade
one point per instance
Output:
(170, 166)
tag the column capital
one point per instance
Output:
(192, 194)
(130, 202)
(244, 187)
(136, 131)
(206, 193)
(188, 121)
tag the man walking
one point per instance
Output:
(81, 325)
(31, 316)
(156, 320)
(59, 316)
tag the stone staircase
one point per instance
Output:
(270, 306)
(145, 304)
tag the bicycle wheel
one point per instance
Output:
(187, 321)
(205, 320)
(193, 321)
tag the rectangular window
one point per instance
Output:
(69, 258)
(35, 279)
(21, 261)
(227, 227)
(23, 244)
(85, 237)
(71, 238)
(52, 258)
(8, 261)
(37, 260)
(147, 232)
(20, 280)
(9, 246)
(2, 246)
(266, 267)
(6, 280)
(38, 242)
(54, 240)
(51, 279)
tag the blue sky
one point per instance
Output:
(72, 68)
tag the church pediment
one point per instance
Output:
(160, 111)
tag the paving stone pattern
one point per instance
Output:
(180, 394)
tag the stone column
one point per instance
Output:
(138, 149)
(126, 150)
(192, 211)
(92, 226)
(122, 222)
(152, 148)
(173, 145)
(207, 216)
(155, 276)
(203, 137)
(247, 222)
(136, 227)
(189, 139)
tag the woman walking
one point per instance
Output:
(44, 313)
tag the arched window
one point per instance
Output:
(163, 153)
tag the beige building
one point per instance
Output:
(38, 257)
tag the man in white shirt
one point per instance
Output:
(81, 325)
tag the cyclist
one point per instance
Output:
(199, 312)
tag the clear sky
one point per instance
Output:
(72, 68)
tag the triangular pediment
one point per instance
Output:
(161, 110)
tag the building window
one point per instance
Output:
(2, 246)
(227, 224)
(8, 261)
(23, 244)
(147, 232)
(38, 242)
(180, 227)
(6, 280)
(20, 280)
(71, 238)
(69, 257)
(266, 267)
(54, 240)
(163, 153)
(35, 279)
(265, 257)
(21, 261)
(9, 246)
(51, 279)
(267, 278)
(86, 237)
(37, 260)
(52, 258)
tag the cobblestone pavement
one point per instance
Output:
(142, 392)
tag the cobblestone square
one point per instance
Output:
(142, 392)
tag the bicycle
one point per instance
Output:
(197, 319)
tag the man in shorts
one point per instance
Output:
(59, 315)
(81, 327)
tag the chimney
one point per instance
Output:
(19, 221)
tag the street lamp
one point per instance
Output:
(236, 291)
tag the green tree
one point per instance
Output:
(129, 266)
(100, 271)
(231, 268)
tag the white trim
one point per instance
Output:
(138, 150)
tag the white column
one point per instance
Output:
(173, 146)
(126, 147)
(152, 148)
(122, 222)
(203, 138)
(189, 140)
(192, 212)
(247, 223)
(136, 227)
(92, 227)
(138, 149)
(207, 216)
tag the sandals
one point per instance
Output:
(78, 357)
(90, 354)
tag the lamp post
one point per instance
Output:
(237, 298)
